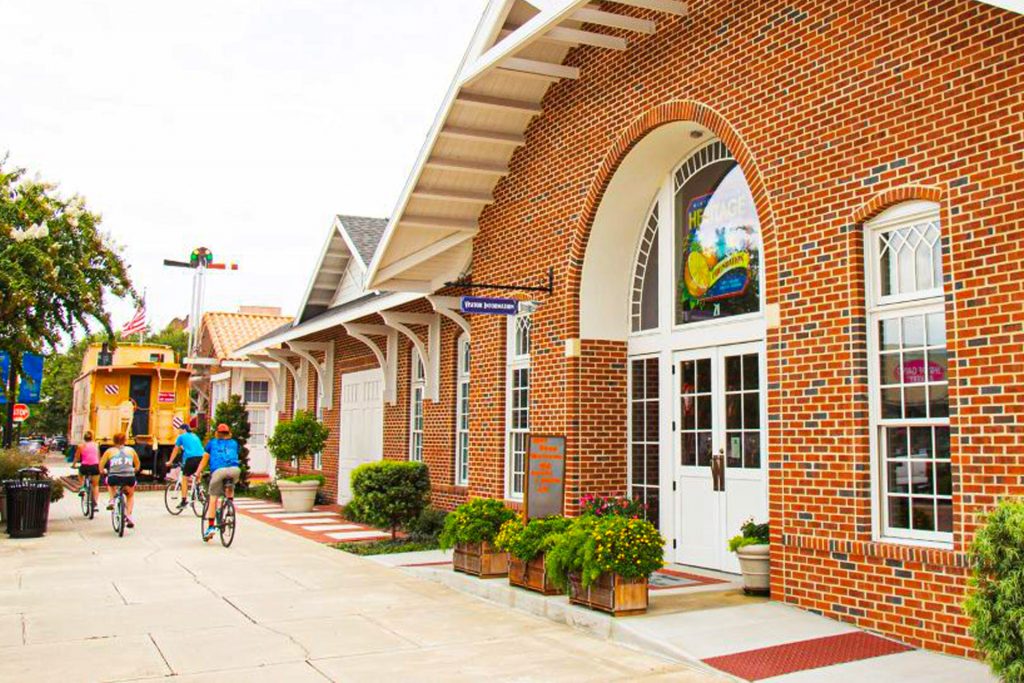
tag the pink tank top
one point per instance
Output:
(90, 453)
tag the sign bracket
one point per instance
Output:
(465, 283)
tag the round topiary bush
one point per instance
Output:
(390, 494)
(996, 602)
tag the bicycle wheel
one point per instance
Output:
(202, 519)
(199, 500)
(86, 498)
(227, 522)
(172, 498)
(92, 508)
(117, 514)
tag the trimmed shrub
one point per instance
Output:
(996, 602)
(390, 494)
(428, 525)
(299, 438)
(474, 522)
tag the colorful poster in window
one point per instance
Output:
(721, 251)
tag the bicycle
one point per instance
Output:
(225, 517)
(196, 496)
(119, 514)
(86, 495)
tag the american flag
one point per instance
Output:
(137, 325)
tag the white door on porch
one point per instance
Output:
(720, 450)
(362, 425)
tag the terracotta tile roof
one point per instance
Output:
(230, 331)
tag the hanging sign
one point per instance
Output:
(545, 476)
(30, 382)
(20, 412)
(165, 397)
(488, 305)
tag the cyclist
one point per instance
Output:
(87, 456)
(191, 448)
(120, 463)
(222, 455)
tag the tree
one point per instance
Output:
(57, 270)
(298, 438)
(232, 412)
(172, 336)
(53, 413)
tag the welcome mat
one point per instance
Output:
(664, 579)
(753, 665)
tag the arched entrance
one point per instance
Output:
(690, 307)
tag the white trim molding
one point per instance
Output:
(430, 352)
(324, 369)
(387, 358)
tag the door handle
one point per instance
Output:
(718, 471)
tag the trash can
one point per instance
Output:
(28, 503)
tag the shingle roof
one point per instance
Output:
(231, 331)
(365, 233)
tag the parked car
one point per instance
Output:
(31, 445)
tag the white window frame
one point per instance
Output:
(254, 438)
(417, 388)
(898, 306)
(265, 391)
(463, 350)
(318, 411)
(517, 437)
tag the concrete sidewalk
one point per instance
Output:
(81, 604)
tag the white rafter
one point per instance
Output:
(441, 245)
(429, 351)
(539, 68)
(599, 17)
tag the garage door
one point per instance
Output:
(362, 425)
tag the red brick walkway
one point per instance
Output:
(324, 524)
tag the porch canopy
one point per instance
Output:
(516, 54)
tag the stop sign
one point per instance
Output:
(20, 412)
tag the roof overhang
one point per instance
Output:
(515, 56)
(327, 320)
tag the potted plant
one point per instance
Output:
(604, 562)
(471, 529)
(526, 545)
(751, 547)
(299, 438)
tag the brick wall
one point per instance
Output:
(835, 110)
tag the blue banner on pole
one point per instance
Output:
(30, 382)
(5, 370)
(488, 305)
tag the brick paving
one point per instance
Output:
(324, 524)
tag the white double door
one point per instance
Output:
(719, 434)
(362, 425)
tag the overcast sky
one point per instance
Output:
(241, 125)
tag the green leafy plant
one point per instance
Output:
(353, 511)
(12, 460)
(477, 521)
(428, 525)
(387, 547)
(299, 478)
(526, 541)
(266, 490)
(751, 533)
(298, 438)
(391, 494)
(233, 413)
(631, 548)
(996, 601)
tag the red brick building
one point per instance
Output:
(786, 277)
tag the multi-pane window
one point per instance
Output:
(318, 458)
(695, 413)
(643, 434)
(257, 426)
(462, 414)
(644, 311)
(218, 395)
(518, 403)
(419, 383)
(256, 391)
(742, 411)
(909, 378)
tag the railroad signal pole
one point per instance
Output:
(200, 260)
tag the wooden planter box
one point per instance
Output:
(531, 575)
(480, 559)
(610, 593)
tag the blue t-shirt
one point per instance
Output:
(190, 445)
(223, 453)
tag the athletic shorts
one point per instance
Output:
(89, 470)
(190, 467)
(220, 477)
(120, 480)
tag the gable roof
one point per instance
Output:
(514, 57)
(230, 331)
(350, 239)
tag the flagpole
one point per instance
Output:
(146, 311)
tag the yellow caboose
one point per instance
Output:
(137, 389)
